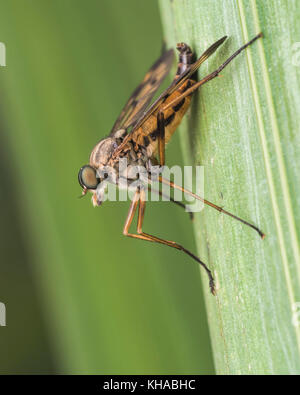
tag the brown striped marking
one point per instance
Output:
(178, 106)
(146, 141)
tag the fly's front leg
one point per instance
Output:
(130, 216)
(131, 213)
(145, 236)
(214, 206)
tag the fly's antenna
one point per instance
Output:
(84, 192)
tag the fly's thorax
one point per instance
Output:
(103, 151)
(132, 163)
(100, 159)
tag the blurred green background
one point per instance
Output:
(80, 297)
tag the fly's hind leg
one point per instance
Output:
(180, 204)
(210, 76)
(139, 199)
(185, 63)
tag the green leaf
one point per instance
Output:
(111, 304)
(244, 129)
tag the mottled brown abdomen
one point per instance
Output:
(147, 134)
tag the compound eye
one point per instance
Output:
(87, 177)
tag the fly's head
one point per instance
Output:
(90, 181)
(91, 177)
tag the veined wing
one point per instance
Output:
(143, 94)
(137, 122)
(179, 81)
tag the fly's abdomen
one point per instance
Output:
(147, 135)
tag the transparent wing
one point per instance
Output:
(143, 94)
(179, 81)
(144, 113)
